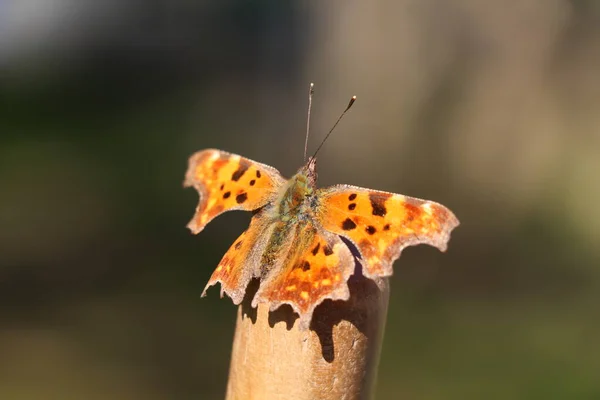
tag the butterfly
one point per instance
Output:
(294, 243)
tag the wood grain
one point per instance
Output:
(336, 358)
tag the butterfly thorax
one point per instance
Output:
(291, 215)
(295, 196)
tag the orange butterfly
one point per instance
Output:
(294, 241)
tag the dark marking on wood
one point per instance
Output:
(240, 198)
(370, 229)
(351, 206)
(378, 203)
(252, 182)
(327, 250)
(316, 249)
(348, 224)
(242, 168)
(226, 195)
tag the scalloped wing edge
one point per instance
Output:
(203, 197)
(440, 241)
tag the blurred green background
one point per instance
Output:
(491, 108)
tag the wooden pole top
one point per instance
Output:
(337, 358)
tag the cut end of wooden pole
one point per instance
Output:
(272, 358)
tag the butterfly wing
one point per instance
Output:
(381, 224)
(242, 261)
(316, 268)
(227, 182)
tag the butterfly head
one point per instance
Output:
(310, 171)
(299, 189)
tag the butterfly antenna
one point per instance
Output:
(311, 90)
(352, 100)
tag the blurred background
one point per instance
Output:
(491, 108)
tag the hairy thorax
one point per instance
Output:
(290, 216)
(294, 201)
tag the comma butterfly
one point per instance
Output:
(294, 242)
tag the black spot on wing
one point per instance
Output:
(316, 249)
(370, 229)
(257, 173)
(303, 265)
(327, 250)
(242, 168)
(238, 245)
(352, 197)
(348, 224)
(226, 195)
(242, 197)
(351, 206)
(378, 203)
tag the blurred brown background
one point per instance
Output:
(491, 108)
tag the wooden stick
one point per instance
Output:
(336, 358)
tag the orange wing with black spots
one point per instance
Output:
(317, 268)
(381, 224)
(242, 261)
(227, 182)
